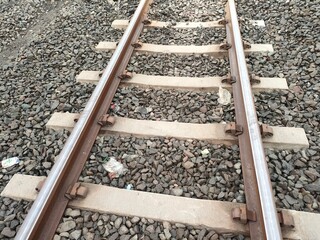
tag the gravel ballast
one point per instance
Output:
(171, 105)
(17, 17)
(38, 79)
(102, 226)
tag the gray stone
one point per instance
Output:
(212, 235)
(7, 232)
(66, 226)
(167, 233)
(118, 222)
(135, 220)
(72, 213)
(313, 187)
(201, 234)
(14, 223)
(299, 163)
(177, 191)
(65, 234)
(135, 237)
(142, 186)
(10, 218)
(166, 225)
(150, 229)
(56, 237)
(237, 165)
(188, 165)
(312, 174)
(76, 234)
(180, 233)
(308, 198)
(188, 153)
(89, 236)
(290, 200)
(114, 236)
(125, 237)
(204, 189)
(123, 230)
(47, 165)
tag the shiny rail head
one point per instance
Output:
(270, 219)
(31, 227)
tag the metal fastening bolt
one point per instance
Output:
(266, 130)
(39, 185)
(222, 21)
(82, 191)
(254, 79)
(234, 129)
(285, 219)
(243, 215)
(137, 44)
(146, 22)
(225, 46)
(240, 214)
(228, 79)
(76, 190)
(246, 45)
(126, 75)
(106, 120)
(100, 74)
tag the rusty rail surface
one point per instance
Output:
(261, 211)
(48, 208)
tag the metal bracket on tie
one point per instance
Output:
(106, 120)
(228, 79)
(266, 130)
(234, 129)
(126, 75)
(246, 45)
(285, 219)
(39, 185)
(101, 73)
(146, 22)
(137, 44)
(254, 79)
(76, 190)
(225, 46)
(223, 21)
(243, 215)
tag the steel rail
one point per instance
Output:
(258, 189)
(49, 206)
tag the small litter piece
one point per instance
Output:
(129, 187)
(9, 162)
(205, 152)
(224, 96)
(114, 168)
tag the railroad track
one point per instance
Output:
(258, 218)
